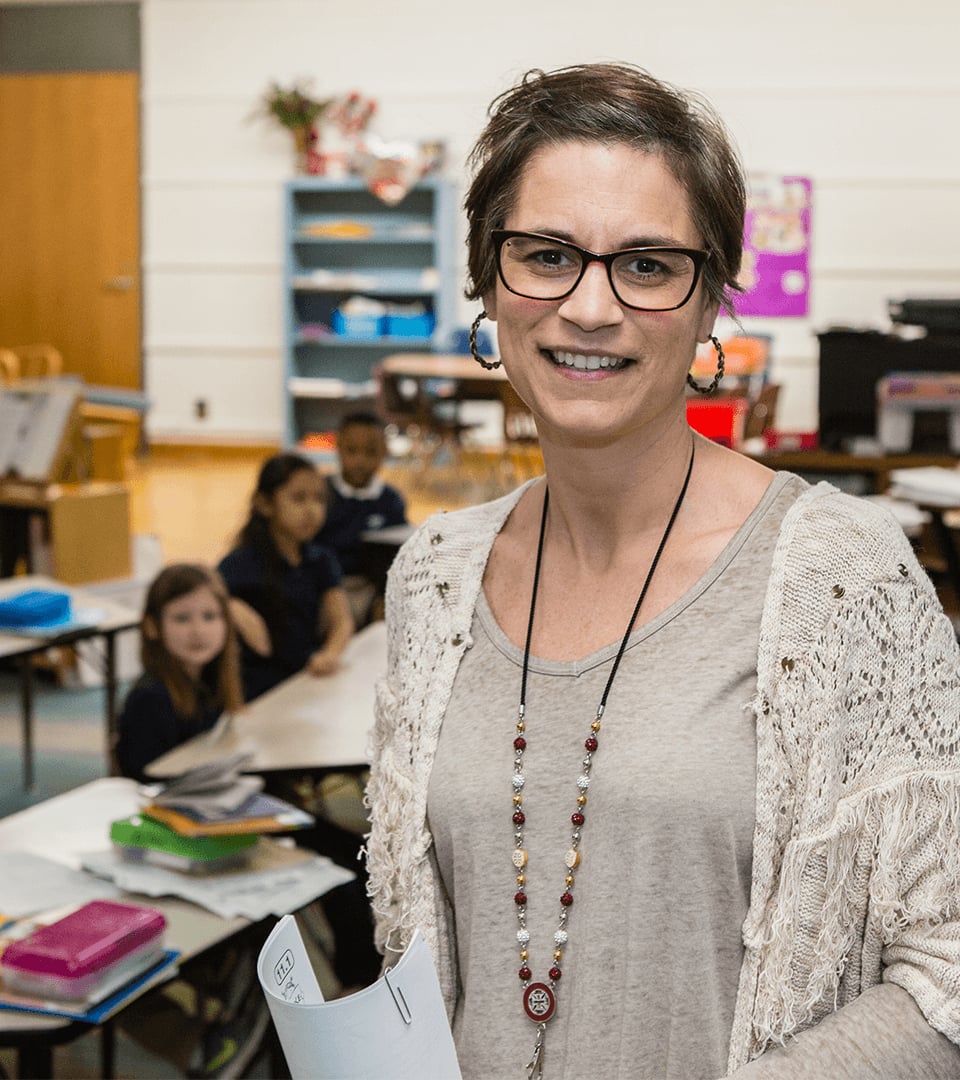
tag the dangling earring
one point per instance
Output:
(714, 382)
(474, 351)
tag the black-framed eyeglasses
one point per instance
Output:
(645, 279)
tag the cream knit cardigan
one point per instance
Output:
(856, 853)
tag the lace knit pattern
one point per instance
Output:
(856, 861)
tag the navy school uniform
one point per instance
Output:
(149, 725)
(352, 511)
(290, 603)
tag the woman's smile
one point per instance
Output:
(587, 362)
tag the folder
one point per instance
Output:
(396, 1029)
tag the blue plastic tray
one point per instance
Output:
(35, 607)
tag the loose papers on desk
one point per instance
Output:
(27, 882)
(279, 879)
(932, 486)
(397, 1027)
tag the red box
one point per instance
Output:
(719, 419)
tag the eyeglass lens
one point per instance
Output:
(545, 269)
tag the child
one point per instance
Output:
(281, 584)
(287, 601)
(190, 670)
(358, 501)
(188, 650)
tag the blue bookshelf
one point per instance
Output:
(346, 249)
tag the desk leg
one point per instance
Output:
(35, 1061)
(110, 689)
(26, 717)
(108, 1051)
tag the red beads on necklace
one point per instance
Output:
(566, 899)
(519, 817)
(591, 744)
(577, 818)
(519, 743)
(520, 897)
(555, 973)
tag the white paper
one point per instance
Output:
(932, 485)
(397, 1028)
(253, 894)
(28, 881)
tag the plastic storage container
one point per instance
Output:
(35, 607)
(94, 950)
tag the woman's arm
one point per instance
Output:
(336, 615)
(881, 1035)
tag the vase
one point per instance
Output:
(307, 160)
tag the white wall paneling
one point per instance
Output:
(240, 391)
(862, 97)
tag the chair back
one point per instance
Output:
(39, 361)
(9, 366)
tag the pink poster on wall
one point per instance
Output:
(775, 272)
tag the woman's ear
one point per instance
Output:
(707, 319)
(490, 304)
(150, 628)
(262, 505)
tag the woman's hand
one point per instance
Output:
(251, 627)
(323, 662)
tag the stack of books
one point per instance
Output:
(205, 821)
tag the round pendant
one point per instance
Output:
(539, 1002)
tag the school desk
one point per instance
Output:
(307, 723)
(64, 829)
(107, 619)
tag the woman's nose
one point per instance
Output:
(592, 304)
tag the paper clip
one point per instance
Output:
(399, 1000)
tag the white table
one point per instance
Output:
(64, 828)
(110, 620)
(307, 722)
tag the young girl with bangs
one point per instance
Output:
(190, 666)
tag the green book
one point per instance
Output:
(144, 839)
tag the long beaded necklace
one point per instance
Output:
(540, 998)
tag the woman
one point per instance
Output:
(666, 762)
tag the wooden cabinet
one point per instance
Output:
(363, 280)
(76, 533)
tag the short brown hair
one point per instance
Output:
(608, 103)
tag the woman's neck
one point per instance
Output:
(605, 497)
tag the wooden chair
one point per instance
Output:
(9, 366)
(521, 442)
(39, 361)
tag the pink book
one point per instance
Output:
(101, 945)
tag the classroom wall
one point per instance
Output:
(864, 97)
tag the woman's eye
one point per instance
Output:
(645, 267)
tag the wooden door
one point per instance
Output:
(70, 220)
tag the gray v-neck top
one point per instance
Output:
(651, 966)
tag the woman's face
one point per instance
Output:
(193, 629)
(602, 198)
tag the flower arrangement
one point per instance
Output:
(294, 107)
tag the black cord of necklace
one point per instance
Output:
(636, 610)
